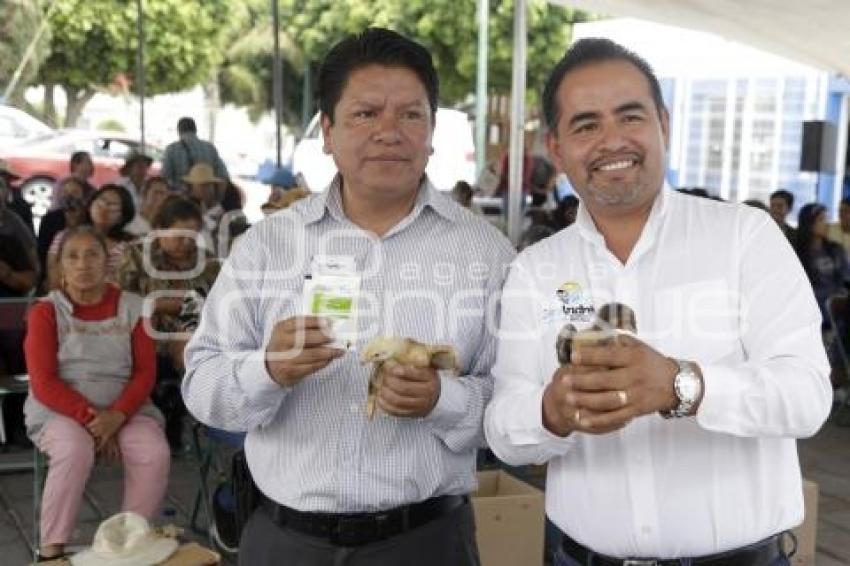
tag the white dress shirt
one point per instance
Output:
(434, 277)
(711, 282)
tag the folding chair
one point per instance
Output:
(210, 445)
(12, 365)
(39, 469)
(837, 311)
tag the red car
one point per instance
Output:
(43, 160)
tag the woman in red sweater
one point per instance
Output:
(92, 367)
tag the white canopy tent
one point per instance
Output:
(813, 32)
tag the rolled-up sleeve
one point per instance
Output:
(783, 389)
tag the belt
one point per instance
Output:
(355, 529)
(759, 554)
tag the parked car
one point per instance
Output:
(18, 127)
(43, 160)
(453, 159)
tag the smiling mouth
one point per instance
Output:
(614, 166)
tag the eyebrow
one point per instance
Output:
(622, 109)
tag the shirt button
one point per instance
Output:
(354, 408)
(646, 530)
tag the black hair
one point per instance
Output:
(78, 157)
(174, 208)
(787, 196)
(186, 125)
(128, 210)
(542, 173)
(585, 52)
(755, 203)
(374, 46)
(803, 237)
(151, 180)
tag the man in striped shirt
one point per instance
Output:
(338, 488)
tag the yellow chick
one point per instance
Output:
(388, 351)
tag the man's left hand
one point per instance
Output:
(631, 379)
(407, 391)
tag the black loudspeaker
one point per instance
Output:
(818, 151)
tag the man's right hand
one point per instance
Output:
(299, 347)
(561, 414)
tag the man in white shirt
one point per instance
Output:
(677, 446)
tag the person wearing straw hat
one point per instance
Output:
(208, 190)
(180, 156)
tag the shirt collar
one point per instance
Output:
(330, 201)
(587, 227)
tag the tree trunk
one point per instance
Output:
(49, 111)
(77, 100)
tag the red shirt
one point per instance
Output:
(42, 345)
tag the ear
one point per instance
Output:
(553, 145)
(327, 145)
(665, 127)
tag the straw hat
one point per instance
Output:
(289, 197)
(134, 157)
(6, 172)
(201, 173)
(126, 539)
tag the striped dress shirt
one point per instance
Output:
(435, 277)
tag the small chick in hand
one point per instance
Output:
(385, 352)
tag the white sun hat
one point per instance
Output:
(126, 539)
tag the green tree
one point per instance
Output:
(93, 47)
(19, 24)
(447, 27)
(245, 73)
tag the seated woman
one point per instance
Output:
(173, 253)
(92, 367)
(153, 192)
(824, 261)
(108, 211)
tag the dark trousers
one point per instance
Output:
(446, 541)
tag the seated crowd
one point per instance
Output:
(119, 272)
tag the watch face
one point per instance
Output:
(687, 387)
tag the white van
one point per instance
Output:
(453, 159)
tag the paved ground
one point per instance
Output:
(825, 459)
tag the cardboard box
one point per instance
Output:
(509, 516)
(807, 532)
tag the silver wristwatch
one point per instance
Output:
(688, 387)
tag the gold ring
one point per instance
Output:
(623, 396)
(577, 416)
